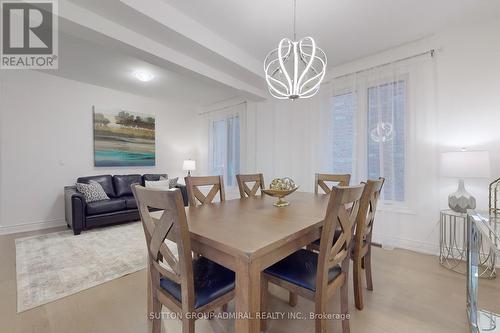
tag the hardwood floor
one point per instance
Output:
(412, 293)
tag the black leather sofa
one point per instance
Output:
(121, 206)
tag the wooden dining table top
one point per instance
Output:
(250, 234)
(249, 226)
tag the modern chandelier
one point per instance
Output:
(296, 68)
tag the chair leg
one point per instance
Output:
(358, 289)
(263, 301)
(368, 270)
(156, 315)
(187, 325)
(320, 323)
(292, 299)
(344, 305)
(344, 296)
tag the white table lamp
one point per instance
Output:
(189, 165)
(464, 164)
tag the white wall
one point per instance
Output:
(469, 98)
(285, 141)
(46, 142)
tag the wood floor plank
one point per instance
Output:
(412, 294)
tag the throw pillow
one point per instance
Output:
(172, 182)
(160, 184)
(92, 191)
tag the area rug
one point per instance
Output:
(56, 265)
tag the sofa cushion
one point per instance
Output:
(122, 184)
(105, 206)
(130, 202)
(105, 180)
(152, 177)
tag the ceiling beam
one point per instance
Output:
(177, 21)
(139, 42)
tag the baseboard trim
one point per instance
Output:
(31, 226)
(389, 242)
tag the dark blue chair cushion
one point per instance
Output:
(300, 268)
(105, 206)
(211, 281)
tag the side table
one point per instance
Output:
(453, 246)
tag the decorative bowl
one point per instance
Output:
(280, 194)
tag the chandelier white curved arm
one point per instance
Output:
(295, 69)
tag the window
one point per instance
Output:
(225, 148)
(342, 132)
(386, 137)
(368, 135)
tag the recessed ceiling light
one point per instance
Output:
(143, 76)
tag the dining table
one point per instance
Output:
(248, 235)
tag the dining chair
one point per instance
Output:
(321, 180)
(317, 276)
(245, 190)
(194, 193)
(361, 250)
(362, 253)
(182, 284)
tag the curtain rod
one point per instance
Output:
(431, 52)
(220, 109)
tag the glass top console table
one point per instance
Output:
(480, 226)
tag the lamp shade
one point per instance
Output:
(189, 165)
(465, 164)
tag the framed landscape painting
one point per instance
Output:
(123, 138)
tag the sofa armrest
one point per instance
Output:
(184, 193)
(74, 209)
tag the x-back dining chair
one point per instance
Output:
(321, 180)
(194, 193)
(317, 276)
(362, 252)
(245, 190)
(181, 283)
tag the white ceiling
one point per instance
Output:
(206, 51)
(345, 29)
(108, 66)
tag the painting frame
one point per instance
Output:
(123, 138)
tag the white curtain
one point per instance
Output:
(379, 119)
(378, 122)
(224, 142)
